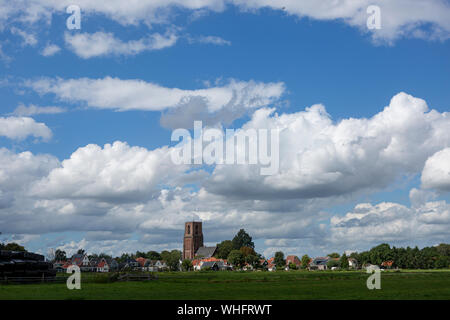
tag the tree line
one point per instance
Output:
(436, 257)
(241, 250)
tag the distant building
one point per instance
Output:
(368, 266)
(387, 264)
(81, 260)
(206, 252)
(271, 264)
(103, 266)
(352, 263)
(193, 239)
(263, 263)
(293, 259)
(212, 263)
(319, 263)
(113, 264)
(154, 265)
(193, 242)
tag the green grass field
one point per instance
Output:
(411, 284)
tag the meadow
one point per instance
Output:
(286, 285)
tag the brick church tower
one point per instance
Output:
(193, 239)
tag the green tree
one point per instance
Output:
(165, 255)
(247, 251)
(173, 260)
(442, 262)
(344, 262)
(187, 265)
(224, 248)
(242, 239)
(236, 258)
(14, 247)
(279, 260)
(333, 263)
(292, 266)
(333, 255)
(81, 251)
(153, 255)
(380, 253)
(140, 254)
(124, 257)
(354, 255)
(103, 255)
(252, 260)
(443, 249)
(60, 255)
(305, 261)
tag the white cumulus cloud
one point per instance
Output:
(50, 50)
(119, 193)
(400, 18)
(31, 110)
(391, 222)
(97, 44)
(209, 40)
(436, 173)
(116, 172)
(19, 128)
(323, 158)
(213, 104)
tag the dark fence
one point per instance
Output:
(31, 280)
(136, 277)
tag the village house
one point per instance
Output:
(59, 266)
(113, 265)
(271, 265)
(387, 264)
(130, 264)
(87, 265)
(293, 259)
(81, 260)
(157, 265)
(213, 263)
(151, 265)
(319, 263)
(352, 263)
(263, 263)
(103, 266)
(370, 266)
(206, 252)
(247, 267)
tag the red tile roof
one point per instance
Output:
(141, 261)
(196, 262)
(293, 259)
(387, 263)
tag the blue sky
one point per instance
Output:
(335, 61)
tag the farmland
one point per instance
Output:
(292, 285)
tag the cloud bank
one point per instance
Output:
(19, 128)
(212, 104)
(122, 196)
(98, 44)
(401, 18)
